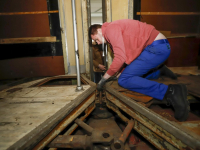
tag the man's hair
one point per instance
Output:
(93, 29)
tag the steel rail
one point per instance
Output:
(181, 133)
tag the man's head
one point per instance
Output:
(95, 33)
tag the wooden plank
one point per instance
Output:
(29, 13)
(193, 70)
(168, 13)
(183, 35)
(28, 40)
(184, 52)
(25, 110)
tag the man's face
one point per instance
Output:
(98, 38)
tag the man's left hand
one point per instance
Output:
(101, 84)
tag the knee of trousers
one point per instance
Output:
(122, 81)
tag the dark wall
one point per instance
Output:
(34, 25)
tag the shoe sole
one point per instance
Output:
(184, 91)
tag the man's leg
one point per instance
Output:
(161, 70)
(131, 78)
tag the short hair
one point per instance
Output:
(93, 29)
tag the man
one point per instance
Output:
(142, 48)
(98, 66)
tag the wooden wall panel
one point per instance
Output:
(119, 9)
(176, 24)
(184, 52)
(170, 5)
(14, 26)
(31, 67)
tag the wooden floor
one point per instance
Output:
(24, 108)
(191, 81)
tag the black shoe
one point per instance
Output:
(164, 71)
(177, 96)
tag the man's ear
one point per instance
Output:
(99, 30)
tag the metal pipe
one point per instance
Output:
(74, 126)
(84, 126)
(127, 131)
(79, 86)
(118, 144)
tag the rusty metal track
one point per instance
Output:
(161, 131)
(66, 121)
(158, 130)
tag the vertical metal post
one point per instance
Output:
(79, 86)
(104, 18)
(90, 48)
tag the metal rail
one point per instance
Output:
(150, 124)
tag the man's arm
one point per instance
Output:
(114, 34)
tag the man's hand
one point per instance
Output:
(101, 84)
(102, 67)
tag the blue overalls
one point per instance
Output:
(151, 57)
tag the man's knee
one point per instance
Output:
(121, 81)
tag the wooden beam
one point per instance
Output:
(28, 40)
(168, 13)
(28, 13)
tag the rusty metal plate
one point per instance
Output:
(193, 126)
(134, 95)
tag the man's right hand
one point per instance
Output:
(102, 67)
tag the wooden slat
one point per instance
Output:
(183, 35)
(28, 40)
(28, 13)
(25, 112)
(168, 13)
(31, 67)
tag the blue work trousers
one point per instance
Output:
(151, 57)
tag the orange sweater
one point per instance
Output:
(127, 38)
